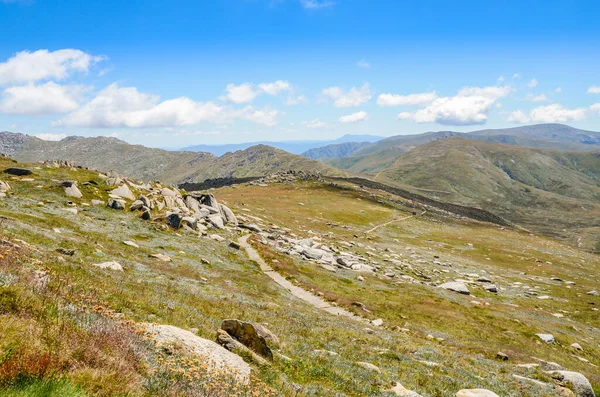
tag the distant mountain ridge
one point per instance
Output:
(377, 156)
(137, 161)
(295, 147)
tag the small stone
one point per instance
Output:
(368, 366)
(476, 393)
(502, 356)
(110, 265)
(161, 257)
(548, 338)
(131, 244)
(577, 346)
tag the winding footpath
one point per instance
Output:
(294, 290)
(392, 221)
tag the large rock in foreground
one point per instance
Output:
(253, 336)
(217, 357)
(576, 381)
(476, 393)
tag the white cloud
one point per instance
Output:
(533, 83)
(516, 76)
(46, 98)
(354, 97)
(594, 90)
(275, 88)
(558, 89)
(554, 113)
(363, 64)
(537, 98)
(316, 4)
(357, 117)
(117, 106)
(266, 116)
(194, 133)
(519, 116)
(595, 108)
(29, 67)
(51, 137)
(412, 99)
(295, 100)
(243, 93)
(470, 106)
(314, 124)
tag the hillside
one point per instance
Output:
(375, 157)
(137, 161)
(267, 289)
(554, 192)
(335, 151)
(295, 147)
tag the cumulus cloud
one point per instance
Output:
(554, 113)
(595, 108)
(533, 83)
(295, 100)
(412, 99)
(558, 89)
(314, 124)
(537, 98)
(354, 97)
(117, 106)
(357, 117)
(46, 98)
(316, 4)
(363, 64)
(266, 116)
(243, 93)
(51, 137)
(275, 88)
(470, 106)
(29, 67)
(594, 90)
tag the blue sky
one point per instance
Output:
(175, 73)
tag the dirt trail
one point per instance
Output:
(295, 290)
(392, 221)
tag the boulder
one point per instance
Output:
(456, 286)
(228, 215)
(216, 357)
(576, 381)
(146, 215)
(190, 221)
(400, 390)
(490, 288)
(253, 336)
(98, 202)
(168, 192)
(17, 171)
(136, 205)
(233, 345)
(476, 393)
(192, 204)
(72, 190)
(216, 221)
(173, 219)
(161, 257)
(146, 201)
(548, 338)
(313, 253)
(4, 187)
(123, 191)
(116, 204)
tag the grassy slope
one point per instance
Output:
(543, 190)
(476, 332)
(175, 292)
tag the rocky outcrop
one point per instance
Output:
(575, 381)
(217, 357)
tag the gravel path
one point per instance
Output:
(295, 290)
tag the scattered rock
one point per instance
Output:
(161, 257)
(131, 244)
(217, 357)
(548, 338)
(110, 265)
(124, 192)
(73, 191)
(576, 346)
(456, 286)
(400, 390)
(17, 171)
(253, 336)
(576, 381)
(369, 366)
(502, 356)
(476, 393)
(116, 204)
